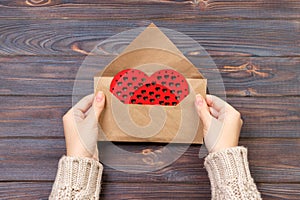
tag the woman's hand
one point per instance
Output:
(221, 123)
(81, 126)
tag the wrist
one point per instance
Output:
(219, 148)
(81, 154)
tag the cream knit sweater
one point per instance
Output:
(228, 171)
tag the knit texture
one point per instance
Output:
(229, 175)
(228, 171)
(77, 178)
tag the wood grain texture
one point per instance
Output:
(241, 76)
(151, 9)
(41, 116)
(36, 160)
(41, 190)
(188, 191)
(75, 37)
(166, 191)
(279, 191)
(25, 190)
(255, 45)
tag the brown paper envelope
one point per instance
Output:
(181, 124)
(151, 123)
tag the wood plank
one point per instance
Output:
(41, 190)
(47, 75)
(23, 116)
(33, 116)
(271, 160)
(158, 9)
(279, 191)
(267, 76)
(75, 37)
(25, 190)
(188, 191)
(241, 76)
(144, 190)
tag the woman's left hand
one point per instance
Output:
(81, 126)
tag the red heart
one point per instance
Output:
(164, 87)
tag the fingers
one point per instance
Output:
(203, 111)
(214, 112)
(85, 103)
(215, 102)
(98, 104)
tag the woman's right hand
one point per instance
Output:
(221, 122)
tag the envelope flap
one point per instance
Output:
(149, 56)
(152, 46)
(152, 37)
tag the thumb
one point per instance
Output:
(98, 104)
(203, 111)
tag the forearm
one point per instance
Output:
(77, 178)
(229, 175)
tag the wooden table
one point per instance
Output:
(255, 45)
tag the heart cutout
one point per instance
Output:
(164, 87)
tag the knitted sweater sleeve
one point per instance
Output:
(77, 178)
(229, 175)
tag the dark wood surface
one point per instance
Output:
(255, 45)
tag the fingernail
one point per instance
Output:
(99, 96)
(199, 100)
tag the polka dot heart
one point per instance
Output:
(164, 87)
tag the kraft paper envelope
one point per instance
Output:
(149, 52)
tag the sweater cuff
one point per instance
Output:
(228, 171)
(77, 178)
